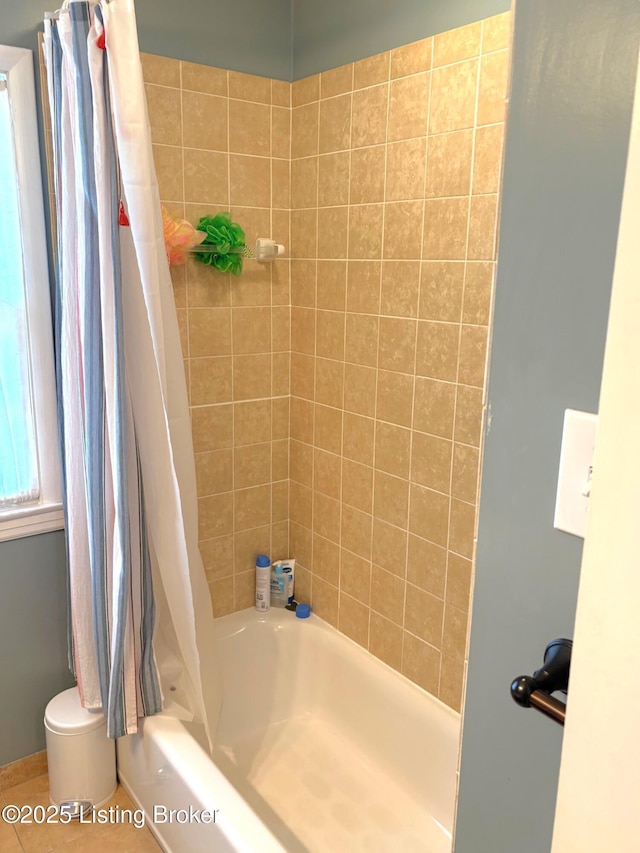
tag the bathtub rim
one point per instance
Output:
(237, 812)
(276, 615)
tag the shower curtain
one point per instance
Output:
(140, 613)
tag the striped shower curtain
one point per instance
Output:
(138, 598)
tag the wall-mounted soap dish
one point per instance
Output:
(268, 250)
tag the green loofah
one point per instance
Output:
(229, 241)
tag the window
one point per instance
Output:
(30, 491)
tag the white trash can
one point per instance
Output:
(81, 758)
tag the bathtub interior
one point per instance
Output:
(330, 747)
(320, 747)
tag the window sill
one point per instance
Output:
(29, 521)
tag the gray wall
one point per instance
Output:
(253, 36)
(574, 67)
(258, 37)
(245, 35)
(286, 39)
(33, 639)
(328, 33)
(19, 22)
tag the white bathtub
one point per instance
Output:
(320, 747)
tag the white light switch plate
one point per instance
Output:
(574, 479)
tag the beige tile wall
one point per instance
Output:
(221, 142)
(357, 369)
(394, 181)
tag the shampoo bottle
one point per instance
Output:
(279, 586)
(263, 583)
(282, 582)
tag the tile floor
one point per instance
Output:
(73, 837)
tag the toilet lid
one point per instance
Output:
(65, 715)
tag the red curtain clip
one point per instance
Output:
(123, 219)
(101, 41)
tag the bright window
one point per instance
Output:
(19, 481)
(30, 498)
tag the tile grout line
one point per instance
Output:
(290, 306)
(312, 567)
(469, 58)
(415, 360)
(377, 367)
(339, 150)
(455, 405)
(344, 350)
(233, 356)
(271, 325)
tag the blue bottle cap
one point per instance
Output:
(303, 611)
(263, 562)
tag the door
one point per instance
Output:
(599, 789)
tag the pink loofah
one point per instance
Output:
(179, 237)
